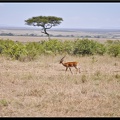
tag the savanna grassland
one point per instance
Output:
(34, 84)
(41, 88)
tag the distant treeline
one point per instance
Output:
(80, 47)
(34, 35)
(59, 35)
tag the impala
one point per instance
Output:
(70, 64)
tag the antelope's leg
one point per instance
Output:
(76, 69)
(70, 70)
(66, 69)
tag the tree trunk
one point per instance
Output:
(48, 35)
(45, 32)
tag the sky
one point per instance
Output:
(80, 15)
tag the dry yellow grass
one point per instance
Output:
(41, 88)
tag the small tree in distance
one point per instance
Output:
(46, 22)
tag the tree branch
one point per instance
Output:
(46, 27)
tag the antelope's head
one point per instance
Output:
(62, 59)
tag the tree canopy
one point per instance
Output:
(46, 22)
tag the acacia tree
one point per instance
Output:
(46, 22)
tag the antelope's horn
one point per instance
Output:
(63, 57)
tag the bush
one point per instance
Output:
(68, 47)
(53, 45)
(100, 48)
(15, 50)
(114, 50)
(32, 50)
(113, 47)
(88, 47)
